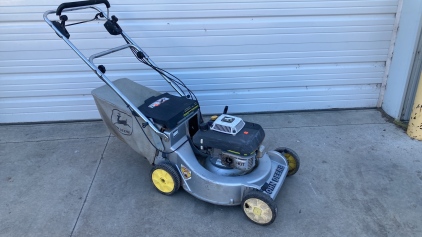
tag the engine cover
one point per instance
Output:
(243, 144)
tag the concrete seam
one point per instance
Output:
(90, 186)
(61, 139)
(321, 126)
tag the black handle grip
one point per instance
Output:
(80, 4)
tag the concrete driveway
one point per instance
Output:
(360, 176)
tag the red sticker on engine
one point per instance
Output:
(158, 102)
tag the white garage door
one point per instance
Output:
(251, 55)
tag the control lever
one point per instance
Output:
(61, 26)
(63, 19)
(112, 27)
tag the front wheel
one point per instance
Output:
(292, 158)
(165, 178)
(259, 208)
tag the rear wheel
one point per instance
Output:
(292, 158)
(259, 208)
(165, 178)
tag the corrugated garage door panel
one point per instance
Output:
(252, 56)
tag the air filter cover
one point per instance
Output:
(228, 124)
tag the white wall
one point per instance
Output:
(275, 55)
(402, 61)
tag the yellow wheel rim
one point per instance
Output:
(257, 210)
(163, 181)
(291, 161)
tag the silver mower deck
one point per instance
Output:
(268, 176)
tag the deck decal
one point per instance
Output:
(187, 174)
(122, 121)
(269, 187)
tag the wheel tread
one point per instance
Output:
(172, 171)
(264, 198)
(282, 151)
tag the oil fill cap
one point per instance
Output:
(214, 117)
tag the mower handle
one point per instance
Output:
(80, 4)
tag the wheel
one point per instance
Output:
(165, 178)
(292, 159)
(259, 208)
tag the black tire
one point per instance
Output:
(259, 208)
(165, 178)
(292, 158)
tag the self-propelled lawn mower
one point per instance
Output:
(221, 161)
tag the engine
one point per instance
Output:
(231, 144)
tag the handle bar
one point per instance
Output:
(80, 4)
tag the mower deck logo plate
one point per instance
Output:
(122, 121)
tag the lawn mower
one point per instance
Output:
(221, 160)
